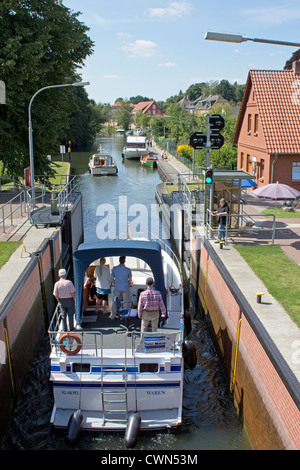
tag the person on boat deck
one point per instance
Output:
(64, 292)
(121, 277)
(150, 301)
(103, 281)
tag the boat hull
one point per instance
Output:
(133, 153)
(103, 171)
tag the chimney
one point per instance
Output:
(296, 67)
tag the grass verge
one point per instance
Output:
(6, 250)
(280, 275)
(281, 214)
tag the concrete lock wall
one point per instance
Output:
(265, 392)
(24, 319)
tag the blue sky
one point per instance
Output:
(155, 48)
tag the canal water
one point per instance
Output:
(210, 421)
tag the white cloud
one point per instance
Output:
(167, 64)
(140, 48)
(173, 10)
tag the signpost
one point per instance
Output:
(213, 139)
(198, 140)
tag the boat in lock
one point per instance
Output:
(110, 376)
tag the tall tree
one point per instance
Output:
(42, 43)
(123, 115)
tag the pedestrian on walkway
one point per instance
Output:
(121, 277)
(222, 214)
(150, 301)
(64, 292)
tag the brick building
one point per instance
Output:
(268, 127)
(148, 107)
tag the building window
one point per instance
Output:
(256, 124)
(242, 160)
(296, 171)
(249, 122)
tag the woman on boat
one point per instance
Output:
(103, 280)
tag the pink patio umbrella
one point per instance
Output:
(276, 191)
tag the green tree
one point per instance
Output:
(42, 43)
(123, 115)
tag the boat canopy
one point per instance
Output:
(148, 251)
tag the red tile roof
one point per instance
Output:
(143, 105)
(277, 94)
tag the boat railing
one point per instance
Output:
(171, 253)
(92, 342)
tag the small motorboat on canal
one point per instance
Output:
(102, 164)
(135, 147)
(109, 373)
(149, 160)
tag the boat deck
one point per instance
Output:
(100, 332)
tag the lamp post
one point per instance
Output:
(238, 38)
(76, 84)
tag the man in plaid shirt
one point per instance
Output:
(150, 301)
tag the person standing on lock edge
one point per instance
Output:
(222, 214)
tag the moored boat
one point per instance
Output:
(135, 147)
(149, 160)
(102, 164)
(109, 376)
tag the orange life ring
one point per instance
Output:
(63, 347)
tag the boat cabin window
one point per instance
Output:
(81, 367)
(148, 367)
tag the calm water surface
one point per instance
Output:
(210, 421)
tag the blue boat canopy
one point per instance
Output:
(148, 251)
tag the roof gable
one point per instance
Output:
(277, 94)
(143, 106)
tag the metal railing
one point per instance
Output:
(239, 229)
(26, 203)
(10, 207)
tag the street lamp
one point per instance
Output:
(76, 84)
(238, 38)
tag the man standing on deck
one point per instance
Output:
(150, 301)
(64, 292)
(121, 277)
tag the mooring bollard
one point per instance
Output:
(258, 297)
(221, 244)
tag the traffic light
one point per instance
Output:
(198, 140)
(209, 176)
(216, 124)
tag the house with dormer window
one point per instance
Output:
(267, 133)
(148, 107)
